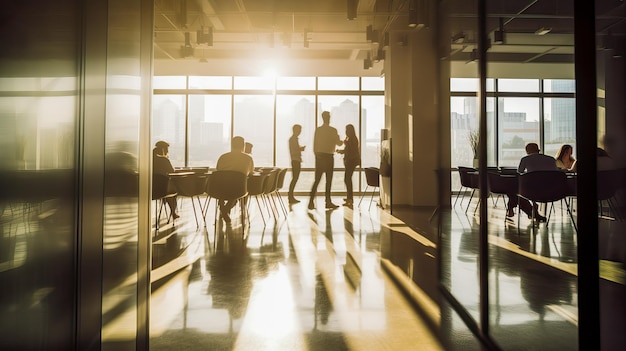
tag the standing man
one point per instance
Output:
(325, 140)
(235, 160)
(295, 150)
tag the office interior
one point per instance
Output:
(88, 87)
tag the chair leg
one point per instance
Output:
(571, 216)
(363, 194)
(470, 200)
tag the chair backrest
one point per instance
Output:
(160, 184)
(372, 176)
(465, 176)
(543, 186)
(509, 170)
(190, 185)
(280, 181)
(271, 181)
(256, 184)
(228, 185)
(502, 183)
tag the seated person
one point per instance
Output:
(564, 159)
(248, 148)
(235, 160)
(533, 161)
(161, 165)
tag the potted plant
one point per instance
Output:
(473, 137)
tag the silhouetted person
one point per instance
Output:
(325, 140)
(351, 159)
(235, 160)
(295, 151)
(248, 148)
(533, 161)
(161, 165)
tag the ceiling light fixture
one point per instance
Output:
(352, 6)
(498, 35)
(205, 36)
(543, 31)
(413, 13)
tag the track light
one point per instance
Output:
(369, 33)
(187, 49)
(352, 7)
(205, 36)
(413, 13)
(498, 35)
(367, 62)
(380, 55)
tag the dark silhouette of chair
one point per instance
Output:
(609, 182)
(271, 184)
(544, 187)
(501, 184)
(256, 188)
(466, 183)
(372, 179)
(161, 191)
(280, 182)
(228, 185)
(469, 180)
(191, 185)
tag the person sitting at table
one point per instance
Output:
(564, 159)
(161, 165)
(533, 161)
(235, 160)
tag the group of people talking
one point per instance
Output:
(326, 142)
(534, 161)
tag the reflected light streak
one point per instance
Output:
(275, 317)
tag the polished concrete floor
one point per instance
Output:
(317, 280)
(305, 280)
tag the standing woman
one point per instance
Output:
(564, 159)
(351, 158)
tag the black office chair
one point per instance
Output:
(372, 179)
(501, 184)
(544, 187)
(466, 183)
(609, 182)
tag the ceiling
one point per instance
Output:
(320, 31)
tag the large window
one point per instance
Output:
(528, 110)
(198, 115)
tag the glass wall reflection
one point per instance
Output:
(38, 142)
